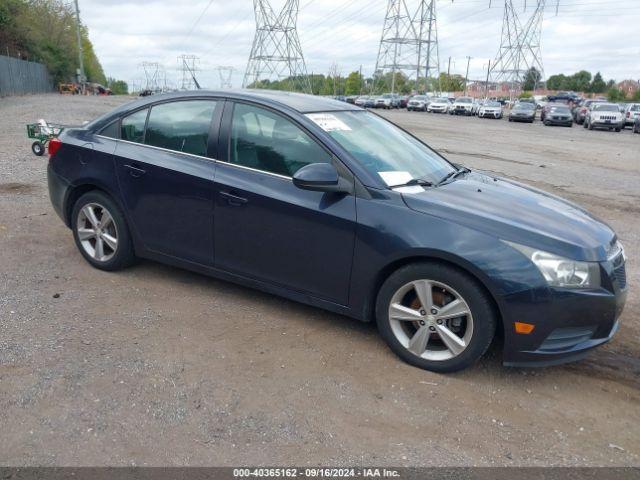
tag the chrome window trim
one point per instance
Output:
(215, 160)
(158, 148)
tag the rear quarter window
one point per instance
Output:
(132, 126)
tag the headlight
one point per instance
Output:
(562, 272)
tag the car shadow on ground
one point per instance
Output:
(605, 363)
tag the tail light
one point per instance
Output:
(54, 146)
(628, 114)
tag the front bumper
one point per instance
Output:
(490, 114)
(568, 323)
(558, 121)
(605, 124)
(521, 118)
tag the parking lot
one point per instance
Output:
(156, 366)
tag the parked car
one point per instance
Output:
(365, 101)
(325, 203)
(549, 106)
(462, 106)
(403, 101)
(418, 102)
(352, 99)
(490, 110)
(439, 105)
(580, 112)
(476, 106)
(631, 113)
(558, 114)
(523, 112)
(604, 115)
(568, 97)
(388, 100)
(636, 125)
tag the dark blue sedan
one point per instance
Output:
(325, 203)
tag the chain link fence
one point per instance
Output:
(19, 77)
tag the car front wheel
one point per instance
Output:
(435, 317)
(101, 233)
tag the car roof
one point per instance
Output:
(300, 102)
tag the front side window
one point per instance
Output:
(382, 148)
(266, 141)
(110, 130)
(181, 126)
(132, 126)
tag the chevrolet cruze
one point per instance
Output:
(325, 203)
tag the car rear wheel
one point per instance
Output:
(435, 317)
(101, 233)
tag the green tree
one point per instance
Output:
(118, 87)
(636, 96)
(598, 85)
(353, 84)
(557, 82)
(531, 79)
(615, 95)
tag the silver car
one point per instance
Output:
(631, 113)
(418, 102)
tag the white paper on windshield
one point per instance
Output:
(409, 189)
(395, 178)
(328, 122)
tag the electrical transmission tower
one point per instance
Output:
(409, 43)
(276, 51)
(225, 74)
(153, 74)
(188, 66)
(519, 47)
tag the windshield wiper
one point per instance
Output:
(414, 181)
(453, 174)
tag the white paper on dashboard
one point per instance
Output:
(328, 122)
(395, 178)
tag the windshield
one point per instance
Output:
(606, 108)
(441, 100)
(493, 104)
(382, 148)
(464, 100)
(419, 97)
(559, 109)
(523, 106)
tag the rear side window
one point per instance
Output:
(181, 126)
(132, 126)
(263, 140)
(110, 130)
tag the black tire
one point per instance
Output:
(37, 148)
(482, 310)
(124, 254)
(617, 129)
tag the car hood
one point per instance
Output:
(517, 213)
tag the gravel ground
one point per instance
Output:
(158, 366)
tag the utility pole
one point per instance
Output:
(81, 78)
(486, 84)
(361, 80)
(466, 77)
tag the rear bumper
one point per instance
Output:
(58, 189)
(568, 324)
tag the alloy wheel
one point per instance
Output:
(97, 232)
(431, 320)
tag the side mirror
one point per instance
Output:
(321, 177)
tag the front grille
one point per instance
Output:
(566, 337)
(620, 275)
(607, 117)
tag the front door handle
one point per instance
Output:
(135, 172)
(233, 200)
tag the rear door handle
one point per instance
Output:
(135, 172)
(233, 200)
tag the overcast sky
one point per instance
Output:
(586, 34)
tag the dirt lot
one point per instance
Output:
(158, 366)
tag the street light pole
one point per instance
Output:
(80, 55)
